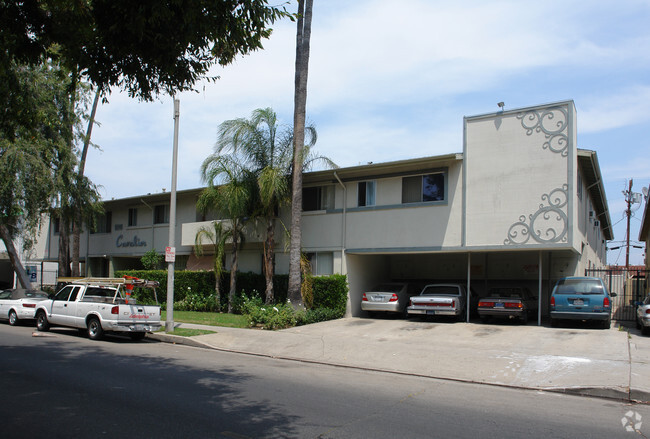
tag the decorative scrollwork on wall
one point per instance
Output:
(548, 225)
(553, 123)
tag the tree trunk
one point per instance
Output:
(75, 244)
(268, 260)
(76, 225)
(300, 103)
(64, 248)
(14, 258)
(233, 270)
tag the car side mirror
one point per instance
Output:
(613, 294)
(637, 303)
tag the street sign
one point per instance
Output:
(170, 254)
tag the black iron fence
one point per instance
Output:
(630, 285)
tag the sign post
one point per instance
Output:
(170, 251)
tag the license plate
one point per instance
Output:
(431, 312)
(377, 299)
(498, 305)
(578, 302)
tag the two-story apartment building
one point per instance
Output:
(521, 204)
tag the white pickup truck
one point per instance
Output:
(100, 305)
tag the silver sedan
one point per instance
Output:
(387, 297)
(19, 304)
(643, 316)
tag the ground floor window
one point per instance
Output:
(322, 263)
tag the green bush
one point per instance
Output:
(317, 315)
(331, 292)
(271, 316)
(194, 291)
(198, 302)
(243, 301)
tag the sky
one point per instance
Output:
(393, 80)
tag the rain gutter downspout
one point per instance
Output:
(344, 218)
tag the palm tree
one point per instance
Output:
(256, 144)
(229, 192)
(217, 236)
(265, 150)
(303, 36)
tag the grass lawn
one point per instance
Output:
(186, 332)
(208, 318)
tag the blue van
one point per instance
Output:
(581, 298)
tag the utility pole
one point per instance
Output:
(170, 252)
(629, 197)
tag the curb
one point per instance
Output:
(611, 393)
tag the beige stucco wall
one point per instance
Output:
(519, 174)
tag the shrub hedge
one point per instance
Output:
(194, 290)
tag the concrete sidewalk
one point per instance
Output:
(608, 363)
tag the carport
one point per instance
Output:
(478, 270)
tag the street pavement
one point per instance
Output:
(574, 359)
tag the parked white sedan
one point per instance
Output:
(19, 304)
(643, 316)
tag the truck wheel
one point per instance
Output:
(41, 322)
(137, 336)
(13, 318)
(95, 331)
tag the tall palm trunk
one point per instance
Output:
(233, 268)
(300, 103)
(268, 259)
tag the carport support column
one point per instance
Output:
(539, 291)
(469, 283)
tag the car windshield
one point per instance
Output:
(387, 288)
(579, 286)
(440, 290)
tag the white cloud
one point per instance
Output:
(617, 108)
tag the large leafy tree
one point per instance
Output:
(145, 47)
(29, 145)
(303, 36)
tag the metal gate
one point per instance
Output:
(630, 285)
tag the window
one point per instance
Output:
(64, 293)
(133, 217)
(366, 193)
(161, 214)
(423, 188)
(321, 263)
(317, 198)
(104, 223)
